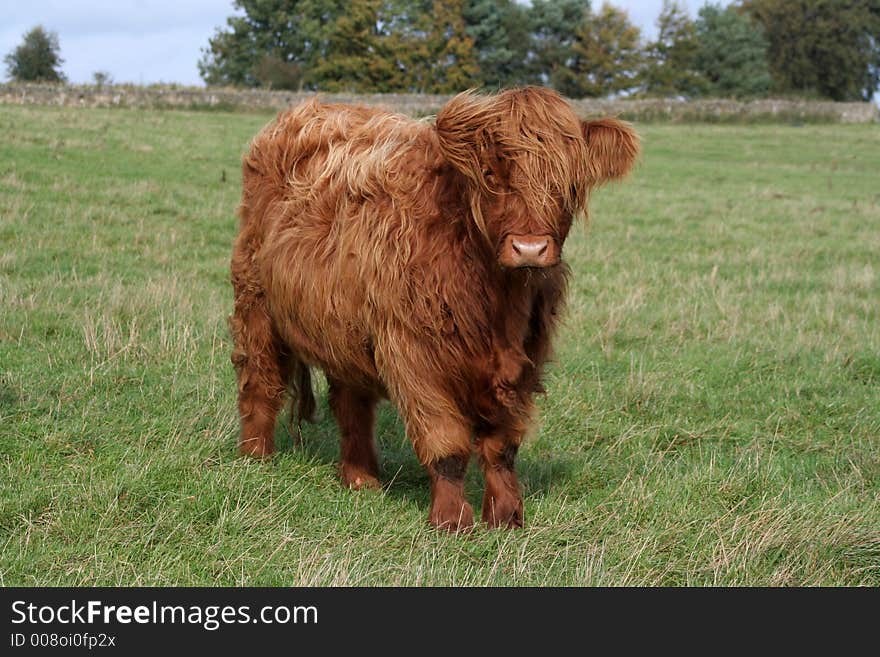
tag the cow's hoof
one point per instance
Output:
(453, 516)
(357, 478)
(503, 512)
(256, 448)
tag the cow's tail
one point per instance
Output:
(302, 397)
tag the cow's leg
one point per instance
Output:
(439, 434)
(449, 509)
(261, 373)
(355, 412)
(444, 447)
(502, 501)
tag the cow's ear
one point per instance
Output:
(612, 146)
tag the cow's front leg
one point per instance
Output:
(444, 447)
(502, 501)
(439, 433)
(449, 509)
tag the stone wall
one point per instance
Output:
(261, 100)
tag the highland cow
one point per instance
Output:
(416, 261)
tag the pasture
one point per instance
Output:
(712, 416)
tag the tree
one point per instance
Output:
(101, 78)
(827, 48)
(37, 59)
(360, 46)
(501, 32)
(454, 63)
(671, 59)
(353, 54)
(607, 54)
(555, 25)
(406, 28)
(270, 45)
(732, 53)
(273, 72)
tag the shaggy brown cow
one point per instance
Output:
(414, 261)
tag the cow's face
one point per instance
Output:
(526, 227)
(530, 163)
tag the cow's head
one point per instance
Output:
(529, 164)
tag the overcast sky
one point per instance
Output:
(146, 41)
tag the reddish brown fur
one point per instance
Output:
(369, 247)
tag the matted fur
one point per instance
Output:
(368, 248)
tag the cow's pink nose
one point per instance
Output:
(529, 251)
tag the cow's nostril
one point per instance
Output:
(529, 251)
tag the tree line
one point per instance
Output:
(747, 49)
(751, 48)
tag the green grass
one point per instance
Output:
(712, 416)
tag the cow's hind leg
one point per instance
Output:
(355, 412)
(261, 373)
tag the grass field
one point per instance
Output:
(712, 416)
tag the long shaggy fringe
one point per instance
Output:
(534, 133)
